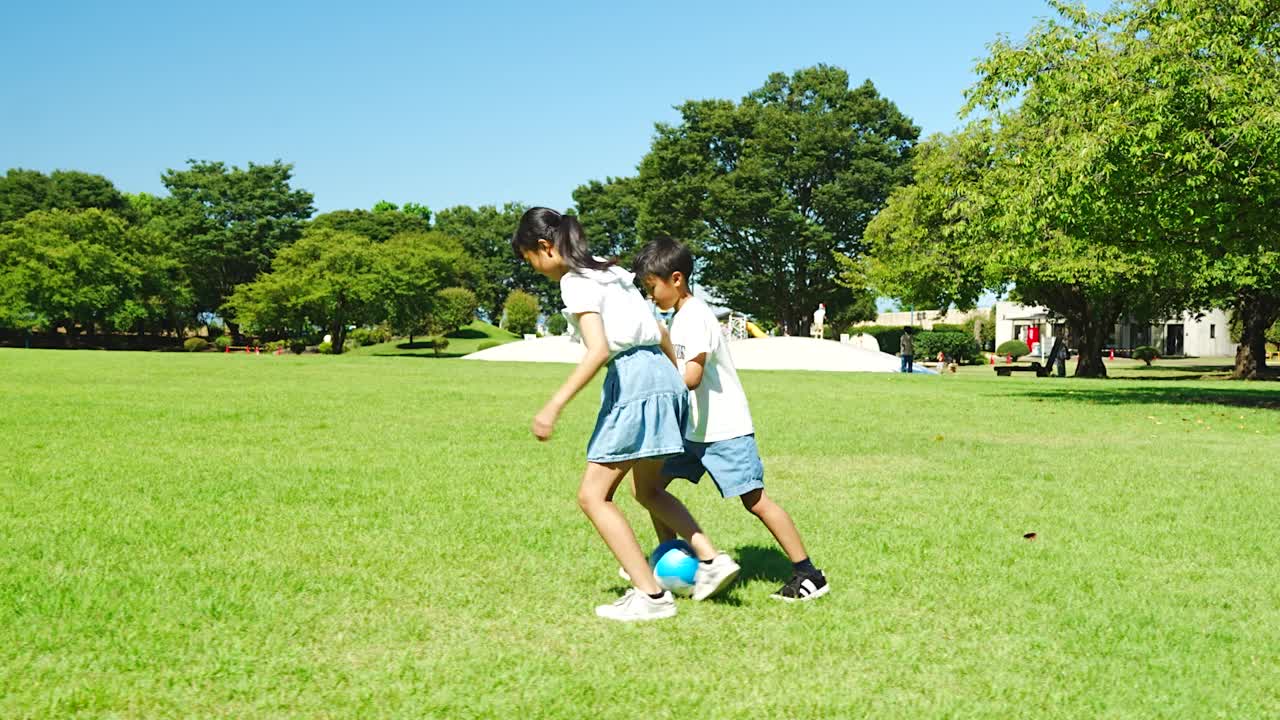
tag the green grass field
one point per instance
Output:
(258, 537)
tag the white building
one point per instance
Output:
(926, 319)
(1192, 334)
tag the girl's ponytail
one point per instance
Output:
(563, 231)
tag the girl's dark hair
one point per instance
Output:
(563, 231)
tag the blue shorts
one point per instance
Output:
(734, 464)
(643, 408)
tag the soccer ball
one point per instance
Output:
(674, 565)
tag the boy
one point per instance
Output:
(719, 436)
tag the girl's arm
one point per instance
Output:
(592, 327)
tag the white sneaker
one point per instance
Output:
(713, 577)
(635, 605)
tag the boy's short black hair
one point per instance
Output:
(661, 257)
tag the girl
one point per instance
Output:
(643, 405)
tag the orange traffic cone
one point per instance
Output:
(1008, 359)
(1113, 353)
(991, 359)
(246, 350)
(257, 350)
(227, 349)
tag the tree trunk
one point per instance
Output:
(1090, 325)
(1256, 313)
(335, 337)
(233, 330)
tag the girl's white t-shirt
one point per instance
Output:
(628, 319)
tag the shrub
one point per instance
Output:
(986, 329)
(557, 324)
(958, 346)
(222, 342)
(1016, 348)
(215, 330)
(195, 344)
(297, 346)
(1145, 353)
(455, 308)
(888, 336)
(368, 336)
(947, 327)
(325, 348)
(520, 312)
(438, 344)
(488, 344)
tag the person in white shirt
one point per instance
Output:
(719, 434)
(643, 406)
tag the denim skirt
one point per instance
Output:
(643, 408)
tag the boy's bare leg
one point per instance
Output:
(778, 522)
(670, 517)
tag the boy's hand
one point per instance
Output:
(545, 421)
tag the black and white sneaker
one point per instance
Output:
(803, 586)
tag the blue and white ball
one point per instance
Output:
(674, 565)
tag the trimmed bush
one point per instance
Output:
(1016, 348)
(888, 336)
(957, 346)
(195, 344)
(222, 342)
(520, 313)
(298, 346)
(439, 344)
(1145, 353)
(455, 308)
(946, 327)
(488, 344)
(325, 348)
(557, 324)
(987, 329)
(359, 337)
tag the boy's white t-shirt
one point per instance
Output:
(628, 319)
(718, 406)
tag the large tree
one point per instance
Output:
(413, 268)
(23, 191)
(77, 270)
(610, 213)
(1159, 119)
(770, 189)
(328, 278)
(379, 225)
(485, 233)
(230, 222)
(961, 228)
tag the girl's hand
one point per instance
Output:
(544, 422)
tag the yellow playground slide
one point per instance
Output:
(754, 330)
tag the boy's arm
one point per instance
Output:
(593, 336)
(693, 369)
(667, 347)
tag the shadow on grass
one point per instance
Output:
(423, 355)
(1261, 397)
(762, 563)
(467, 334)
(758, 563)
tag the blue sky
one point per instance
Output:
(465, 103)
